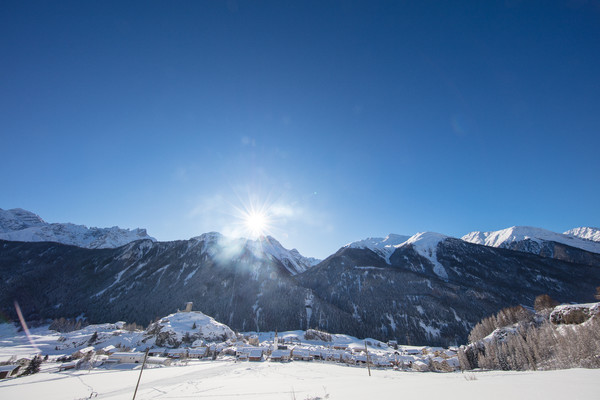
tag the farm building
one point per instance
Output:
(125, 357)
(255, 355)
(198, 352)
(301, 354)
(8, 371)
(280, 355)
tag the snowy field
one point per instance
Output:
(299, 380)
(227, 379)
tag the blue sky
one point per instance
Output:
(343, 119)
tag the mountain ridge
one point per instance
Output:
(585, 232)
(505, 237)
(427, 289)
(21, 225)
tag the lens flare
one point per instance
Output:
(25, 328)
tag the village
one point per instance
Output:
(112, 346)
(290, 349)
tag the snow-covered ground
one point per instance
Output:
(226, 378)
(300, 380)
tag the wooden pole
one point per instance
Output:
(141, 370)
(367, 351)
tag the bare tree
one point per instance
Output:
(544, 302)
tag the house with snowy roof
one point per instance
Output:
(445, 364)
(69, 365)
(301, 354)
(412, 351)
(177, 353)
(157, 352)
(420, 366)
(253, 340)
(108, 350)
(199, 352)
(318, 354)
(127, 357)
(159, 360)
(280, 355)
(82, 352)
(255, 355)
(9, 371)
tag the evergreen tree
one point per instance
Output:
(93, 338)
(34, 366)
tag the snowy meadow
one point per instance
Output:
(298, 380)
(233, 379)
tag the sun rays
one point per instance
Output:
(255, 217)
(256, 223)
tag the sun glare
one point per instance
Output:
(256, 223)
(256, 217)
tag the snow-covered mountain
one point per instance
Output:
(585, 232)
(24, 226)
(18, 219)
(426, 244)
(426, 288)
(382, 246)
(266, 247)
(532, 240)
(431, 289)
(293, 261)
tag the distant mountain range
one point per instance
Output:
(424, 289)
(587, 239)
(544, 243)
(24, 226)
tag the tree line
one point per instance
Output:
(519, 339)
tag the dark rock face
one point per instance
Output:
(354, 291)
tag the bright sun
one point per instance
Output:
(257, 223)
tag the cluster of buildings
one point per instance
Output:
(315, 346)
(277, 350)
(248, 349)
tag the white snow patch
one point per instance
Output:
(190, 275)
(117, 280)
(308, 303)
(425, 244)
(369, 268)
(355, 313)
(431, 331)
(160, 271)
(392, 321)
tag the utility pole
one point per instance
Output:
(141, 370)
(367, 351)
